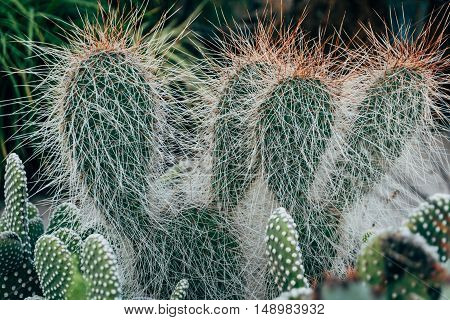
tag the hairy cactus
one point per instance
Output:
(234, 167)
(198, 245)
(59, 271)
(284, 254)
(432, 221)
(20, 228)
(66, 215)
(179, 293)
(107, 131)
(295, 127)
(401, 265)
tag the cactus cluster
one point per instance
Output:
(67, 271)
(282, 120)
(21, 226)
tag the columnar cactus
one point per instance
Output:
(401, 265)
(20, 228)
(57, 264)
(432, 221)
(283, 250)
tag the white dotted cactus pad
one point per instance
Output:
(431, 221)
(285, 259)
(99, 266)
(54, 266)
(16, 195)
(11, 252)
(180, 291)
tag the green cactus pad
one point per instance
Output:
(99, 267)
(401, 265)
(233, 168)
(66, 215)
(285, 259)
(20, 283)
(36, 229)
(388, 117)
(432, 221)
(11, 252)
(295, 127)
(70, 238)
(32, 210)
(16, 199)
(180, 291)
(54, 266)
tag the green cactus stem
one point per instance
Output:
(233, 168)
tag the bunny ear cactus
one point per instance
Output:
(179, 293)
(432, 221)
(11, 252)
(285, 258)
(55, 267)
(16, 198)
(99, 266)
(18, 235)
(401, 265)
(60, 275)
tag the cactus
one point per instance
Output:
(179, 293)
(66, 215)
(198, 245)
(54, 266)
(16, 198)
(11, 252)
(21, 227)
(432, 221)
(401, 265)
(107, 131)
(284, 254)
(234, 167)
(295, 126)
(59, 271)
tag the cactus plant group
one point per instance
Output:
(20, 226)
(282, 123)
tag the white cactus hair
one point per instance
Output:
(142, 65)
